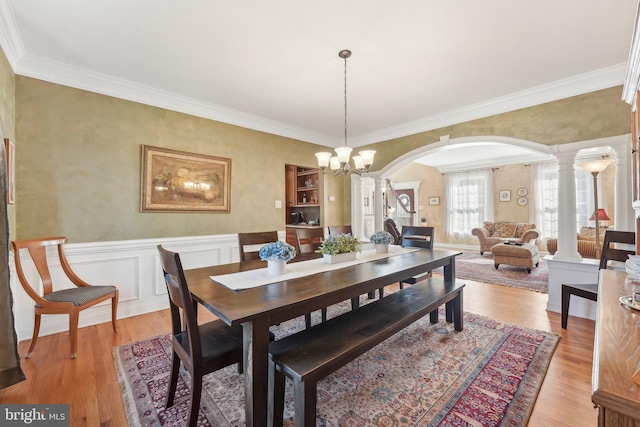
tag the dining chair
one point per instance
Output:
(340, 229)
(248, 243)
(609, 253)
(69, 301)
(202, 349)
(307, 241)
(391, 227)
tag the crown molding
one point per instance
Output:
(584, 83)
(54, 72)
(10, 38)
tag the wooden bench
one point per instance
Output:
(312, 354)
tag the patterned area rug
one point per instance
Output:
(480, 268)
(487, 375)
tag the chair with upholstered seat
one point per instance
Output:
(609, 253)
(69, 301)
(202, 349)
(249, 243)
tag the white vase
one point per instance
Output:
(382, 248)
(333, 259)
(275, 267)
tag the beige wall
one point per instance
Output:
(78, 160)
(78, 166)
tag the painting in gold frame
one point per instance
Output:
(10, 154)
(178, 181)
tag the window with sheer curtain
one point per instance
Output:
(469, 201)
(545, 195)
(545, 191)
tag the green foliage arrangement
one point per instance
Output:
(339, 244)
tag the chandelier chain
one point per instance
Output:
(345, 101)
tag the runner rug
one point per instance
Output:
(480, 268)
(487, 375)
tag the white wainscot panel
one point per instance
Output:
(568, 272)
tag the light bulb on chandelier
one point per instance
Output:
(340, 162)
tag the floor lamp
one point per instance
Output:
(594, 167)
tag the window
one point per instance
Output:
(545, 193)
(469, 201)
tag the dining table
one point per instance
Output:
(283, 298)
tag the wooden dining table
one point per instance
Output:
(260, 307)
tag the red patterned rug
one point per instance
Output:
(487, 375)
(480, 268)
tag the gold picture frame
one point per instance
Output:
(10, 154)
(178, 181)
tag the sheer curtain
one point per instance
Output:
(545, 198)
(469, 201)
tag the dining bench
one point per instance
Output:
(310, 355)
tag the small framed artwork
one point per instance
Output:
(522, 191)
(522, 201)
(177, 181)
(10, 153)
(434, 200)
(505, 195)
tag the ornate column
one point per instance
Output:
(567, 237)
(379, 203)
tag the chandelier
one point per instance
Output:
(340, 162)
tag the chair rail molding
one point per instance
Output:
(133, 266)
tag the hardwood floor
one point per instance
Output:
(89, 384)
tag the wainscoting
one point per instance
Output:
(133, 266)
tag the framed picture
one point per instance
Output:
(505, 195)
(522, 201)
(177, 181)
(434, 200)
(10, 154)
(522, 191)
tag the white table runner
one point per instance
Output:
(259, 277)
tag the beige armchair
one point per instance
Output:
(492, 233)
(586, 242)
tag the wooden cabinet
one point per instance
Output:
(616, 353)
(303, 194)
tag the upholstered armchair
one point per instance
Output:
(586, 242)
(492, 233)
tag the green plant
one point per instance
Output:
(383, 237)
(339, 244)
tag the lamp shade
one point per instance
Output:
(602, 216)
(595, 165)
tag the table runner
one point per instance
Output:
(259, 277)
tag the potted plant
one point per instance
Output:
(339, 248)
(277, 254)
(382, 239)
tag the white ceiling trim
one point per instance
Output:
(58, 73)
(577, 85)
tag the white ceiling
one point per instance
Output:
(274, 65)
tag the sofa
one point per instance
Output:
(492, 233)
(586, 242)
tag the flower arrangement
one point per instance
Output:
(339, 244)
(277, 251)
(382, 237)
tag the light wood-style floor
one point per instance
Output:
(89, 384)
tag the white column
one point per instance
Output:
(379, 203)
(567, 236)
(357, 217)
(623, 214)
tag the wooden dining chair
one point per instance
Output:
(248, 243)
(609, 253)
(307, 241)
(69, 301)
(340, 229)
(202, 349)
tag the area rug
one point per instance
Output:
(489, 374)
(480, 268)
